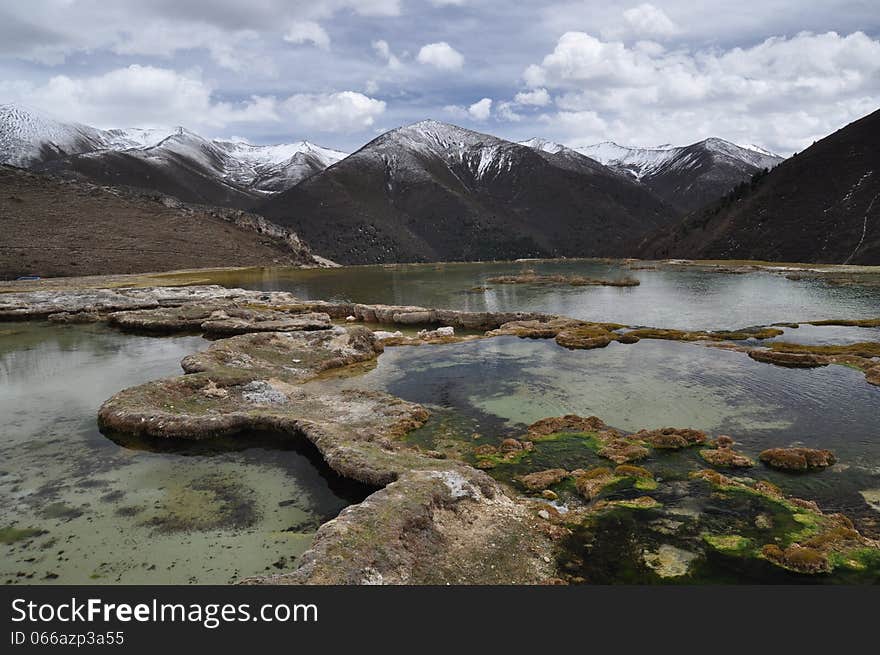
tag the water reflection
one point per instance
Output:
(685, 299)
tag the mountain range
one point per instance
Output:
(686, 177)
(173, 161)
(821, 205)
(433, 191)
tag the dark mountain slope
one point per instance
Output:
(822, 205)
(432, 191)
(54, 227)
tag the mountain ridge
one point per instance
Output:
(33, 140)
(821, 205)
(433, 191)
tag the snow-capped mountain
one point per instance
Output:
(136, 137)
(645, 162)
(273, 168)
(145, 156)
(543, 144)
(687, 177)
(433, 191)
(27, 137)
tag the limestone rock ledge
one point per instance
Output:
(451, 526)
(435, 520)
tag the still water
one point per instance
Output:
(77, 507)
(682, 299)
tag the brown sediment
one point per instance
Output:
(802, 559)
(631, 471)
(788, 360)
(531, 277)
(590, 483)
(671, 438)
(864, 322)
(567, 423)
(585, 337)
(865, 349)
(620, 449)
(430, 340)
(540, 480)
(546, 328)
(719, 335)
(863, 356)
(797, 459)
(727, 458)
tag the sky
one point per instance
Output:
(776, 73)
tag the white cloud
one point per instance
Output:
(481, 109)
(383, 50)
(581, 122)
(506, 111)
(140, 96)
(440, 55)
(237, 35)
(307, 32)
(648, 20)
(535, 98)
(456, 111)
(346, 111)
(689, 95)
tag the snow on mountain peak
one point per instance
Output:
(543, 144)
(28, 137)
(278, 153)
(26, 134)
(641, 162)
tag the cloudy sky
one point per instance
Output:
(778, 73)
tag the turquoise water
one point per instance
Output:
(503, 384)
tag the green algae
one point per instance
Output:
(641, 503)
(729, 544)
(645, 484)
(10, 535)
(212, 502)
(492, 460)
(60, 511)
